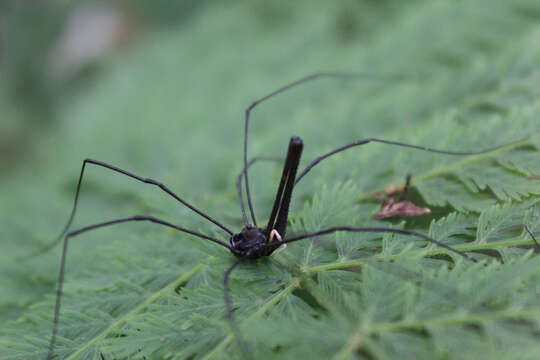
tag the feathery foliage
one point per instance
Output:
(171, 109)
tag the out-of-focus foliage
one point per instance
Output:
(170, 106)
(52, 48)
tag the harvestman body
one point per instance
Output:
(252, 242)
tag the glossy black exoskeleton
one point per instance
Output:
(254, 242)
(251, 243)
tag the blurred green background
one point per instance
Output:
(159, 88)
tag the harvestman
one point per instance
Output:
(252, 242)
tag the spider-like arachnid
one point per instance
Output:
(252, 241)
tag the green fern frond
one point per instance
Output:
(173, 107)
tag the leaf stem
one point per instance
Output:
(364, 330)
(153, 298)
(295, 283)
(358, 262)
(458, 164)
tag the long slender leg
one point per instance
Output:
(278, 220)
(239, 182)
(396, 143)
(342, 75)
(97, 226)
(536, 245)
(405, 192)
(133, 176)
(230, 312)
(378, 230)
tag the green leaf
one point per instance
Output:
(170, 107)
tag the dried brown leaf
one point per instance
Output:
(391, 208)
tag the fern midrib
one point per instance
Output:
(465, 248)
(301, 275)
(457, 165)
(141, 307)
(293, 284)
(363, 331)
